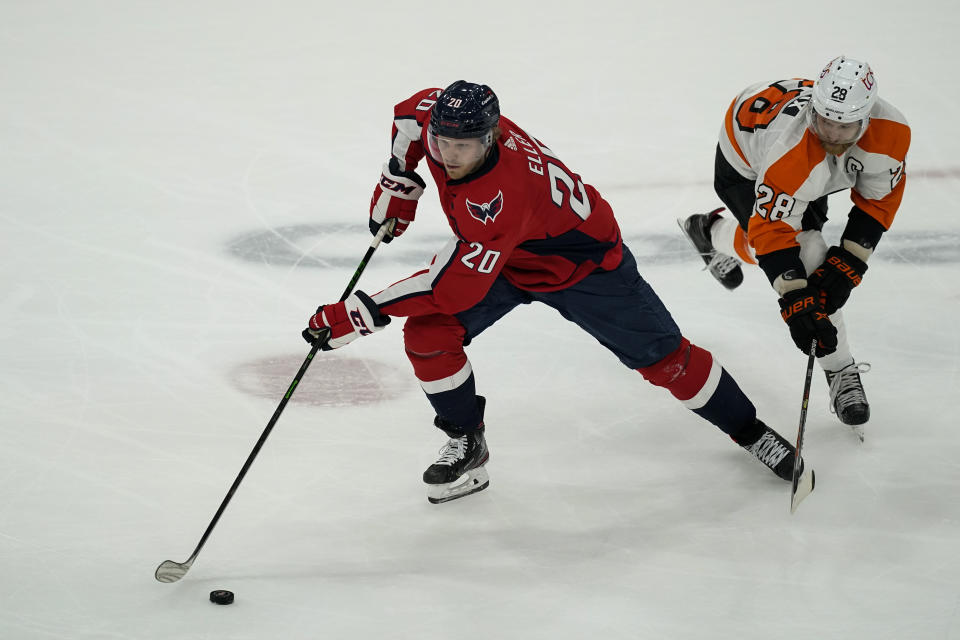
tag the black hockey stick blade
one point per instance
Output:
(804, 483)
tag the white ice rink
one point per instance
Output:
(182, 183)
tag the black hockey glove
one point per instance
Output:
(836, 277)
(802, 310)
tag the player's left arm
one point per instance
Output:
(876, 196)
(399, 188)
(772, 232)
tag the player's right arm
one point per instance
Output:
(778, 210)
(772, 231)
(459, 276)
(762, 114)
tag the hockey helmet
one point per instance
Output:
(845, 93)
(463, 110)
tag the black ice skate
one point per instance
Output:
(724, 268)
(460, 469)
(847, 398)
(778, 455)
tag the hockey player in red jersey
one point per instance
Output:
(784, 147)
(526, 228)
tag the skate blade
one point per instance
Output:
(471, 482)
(682, 223)
(802, 487)
(857, 431)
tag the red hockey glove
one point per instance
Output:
(837, 276)
(395, 196)
(802, 310)
(341, 323)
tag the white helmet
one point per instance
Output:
(845, 91)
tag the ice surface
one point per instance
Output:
(184, 182)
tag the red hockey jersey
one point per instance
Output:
(522, 214)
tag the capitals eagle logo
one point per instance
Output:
(488, 210)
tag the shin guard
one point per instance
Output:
(697, 380)
(434, 345)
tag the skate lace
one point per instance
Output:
(721, 264)
(845, 387)
(769, 450)
(454, 450)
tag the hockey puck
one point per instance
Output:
(221, 596)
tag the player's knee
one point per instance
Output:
(434, 346)
(683, 372)
(432, 335)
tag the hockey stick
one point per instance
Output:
(803, 486)
(170, 571)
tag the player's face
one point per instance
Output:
(460, 156)
(836, 134)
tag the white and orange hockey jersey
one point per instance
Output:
(766, 139)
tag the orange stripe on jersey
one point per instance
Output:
(728, 124)
(793, 168)
(888, 137)
(741, 247)
(767, 237)
(882, 210)
(785, 176)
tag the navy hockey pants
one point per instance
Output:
(616, 307)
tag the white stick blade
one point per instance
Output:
(802, 487)
(170, 571)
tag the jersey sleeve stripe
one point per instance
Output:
(888, 137)
(406, 142)
(883, 210)
(419, 284)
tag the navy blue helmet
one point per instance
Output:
(465, 110)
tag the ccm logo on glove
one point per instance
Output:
(395, 197)
(399, 187)
(338, 324)
(358, 322)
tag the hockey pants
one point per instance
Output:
(618, 308)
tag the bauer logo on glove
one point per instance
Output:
(802, 310)
(335, 325)
(837, 276)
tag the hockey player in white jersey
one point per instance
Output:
(784, 147)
